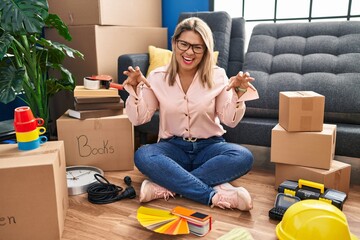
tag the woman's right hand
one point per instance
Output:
(135, 77)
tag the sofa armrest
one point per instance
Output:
(126, 60)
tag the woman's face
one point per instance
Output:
(189, 50)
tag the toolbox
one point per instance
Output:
(311, 190)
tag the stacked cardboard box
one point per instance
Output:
(106, 142)
(302, 146)
(102, 30)
(34, 198)
(105, 29)
(100, 137)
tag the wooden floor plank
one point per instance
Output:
(87, 221)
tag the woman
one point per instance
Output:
(193, 96)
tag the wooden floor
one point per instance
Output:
(118, 220)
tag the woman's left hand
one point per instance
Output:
(241, 82)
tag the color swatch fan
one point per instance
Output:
(162, 221)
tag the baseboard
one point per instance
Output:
(262, 161)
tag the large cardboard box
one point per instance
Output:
(301, 111)
(106, 143)
(108, 12)
(310, 149)
(337, 177)
(34, 198)
(102, 46)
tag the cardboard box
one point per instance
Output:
(301, 111)
(102, 46)
(34, 198)
(310, 149)
(337, 177)
(108, 12)
(106, 143)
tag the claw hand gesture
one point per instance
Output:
(240, 83)
(135, 77)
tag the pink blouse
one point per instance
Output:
(195, 114)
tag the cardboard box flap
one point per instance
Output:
(301, 94)
(23, 161)
(11, 150)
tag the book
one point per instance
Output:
(199, 223)
(97, 106)
(81, 91)
(109, 99)
(179, 220)
(93, 113)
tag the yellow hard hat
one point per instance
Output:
(314, 219)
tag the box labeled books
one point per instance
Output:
(106, 142)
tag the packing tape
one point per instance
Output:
(305, 122)
(91, 84)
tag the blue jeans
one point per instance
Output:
(191, 169)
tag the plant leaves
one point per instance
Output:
(55, 21)
(70, 52)
(10, 82)
(5, 41)
(23, 16)
(66, 82)
(57, 51)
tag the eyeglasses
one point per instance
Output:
(184, 46)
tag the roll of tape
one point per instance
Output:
(91, 84)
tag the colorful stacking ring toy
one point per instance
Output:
(31, 135)
(24, 146)
(28, 128)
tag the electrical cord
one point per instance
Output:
(103, 192)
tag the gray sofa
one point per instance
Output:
(323, 57)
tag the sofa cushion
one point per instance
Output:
(257, 131)
(237, 45)
(323, 57)
(158, 57)
(220, 25)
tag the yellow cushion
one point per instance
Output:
(159, 57)
(216, 54)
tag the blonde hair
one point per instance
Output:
(207, 63)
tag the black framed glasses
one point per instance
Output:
(184, 46)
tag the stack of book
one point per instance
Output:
(96, 103)
(179, 220)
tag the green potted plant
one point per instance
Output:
(27, 58)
